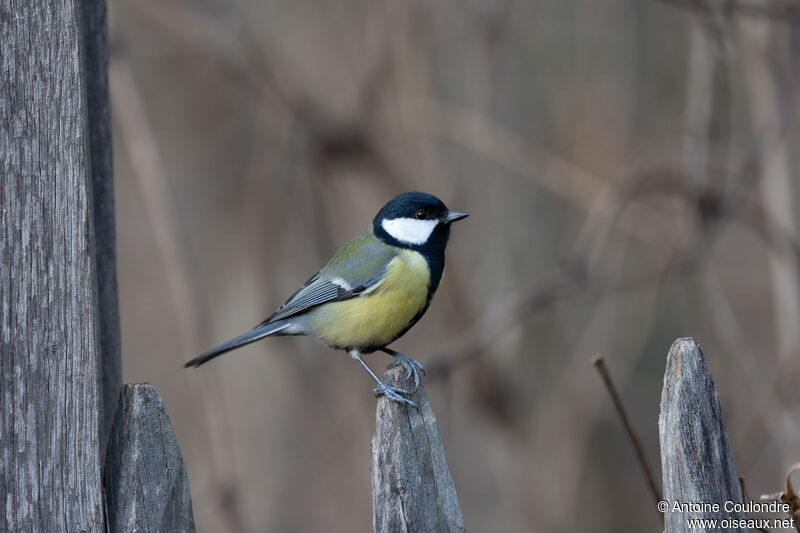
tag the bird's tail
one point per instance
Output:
(251, 336)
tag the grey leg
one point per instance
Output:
(412, 366)
(383, 388)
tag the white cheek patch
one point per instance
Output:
(409, 230)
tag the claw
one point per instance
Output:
(412, 366)
(383, 388)
(393, 393)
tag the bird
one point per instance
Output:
(371, 292)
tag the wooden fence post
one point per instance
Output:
(147, 487)
(412, 489)
(59, 329)
(50, 425)
(696, 460)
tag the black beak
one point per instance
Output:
(452, 216)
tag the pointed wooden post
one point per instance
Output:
(696, 459)
(412, 489)
(147, 486)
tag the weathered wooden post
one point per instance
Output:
(696, 460)
(50, 424)
(147, 487)
(412, 489)
(59, 328)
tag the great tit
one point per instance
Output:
(372, 291)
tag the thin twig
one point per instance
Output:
(600, 365)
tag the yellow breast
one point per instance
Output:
(378, 317)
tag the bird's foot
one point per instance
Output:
(412, 366)
(393, 393)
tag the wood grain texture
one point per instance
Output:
(696, 459)
(147, 486)
(49, 427)
(412, 489)
(95, 53)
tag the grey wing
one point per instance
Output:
(319, 290)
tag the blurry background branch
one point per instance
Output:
(630, 175)
(784, 11)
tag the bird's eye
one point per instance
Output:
(421, 214)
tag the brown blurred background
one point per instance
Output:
(629, 167)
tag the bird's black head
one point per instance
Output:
(418, 221)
